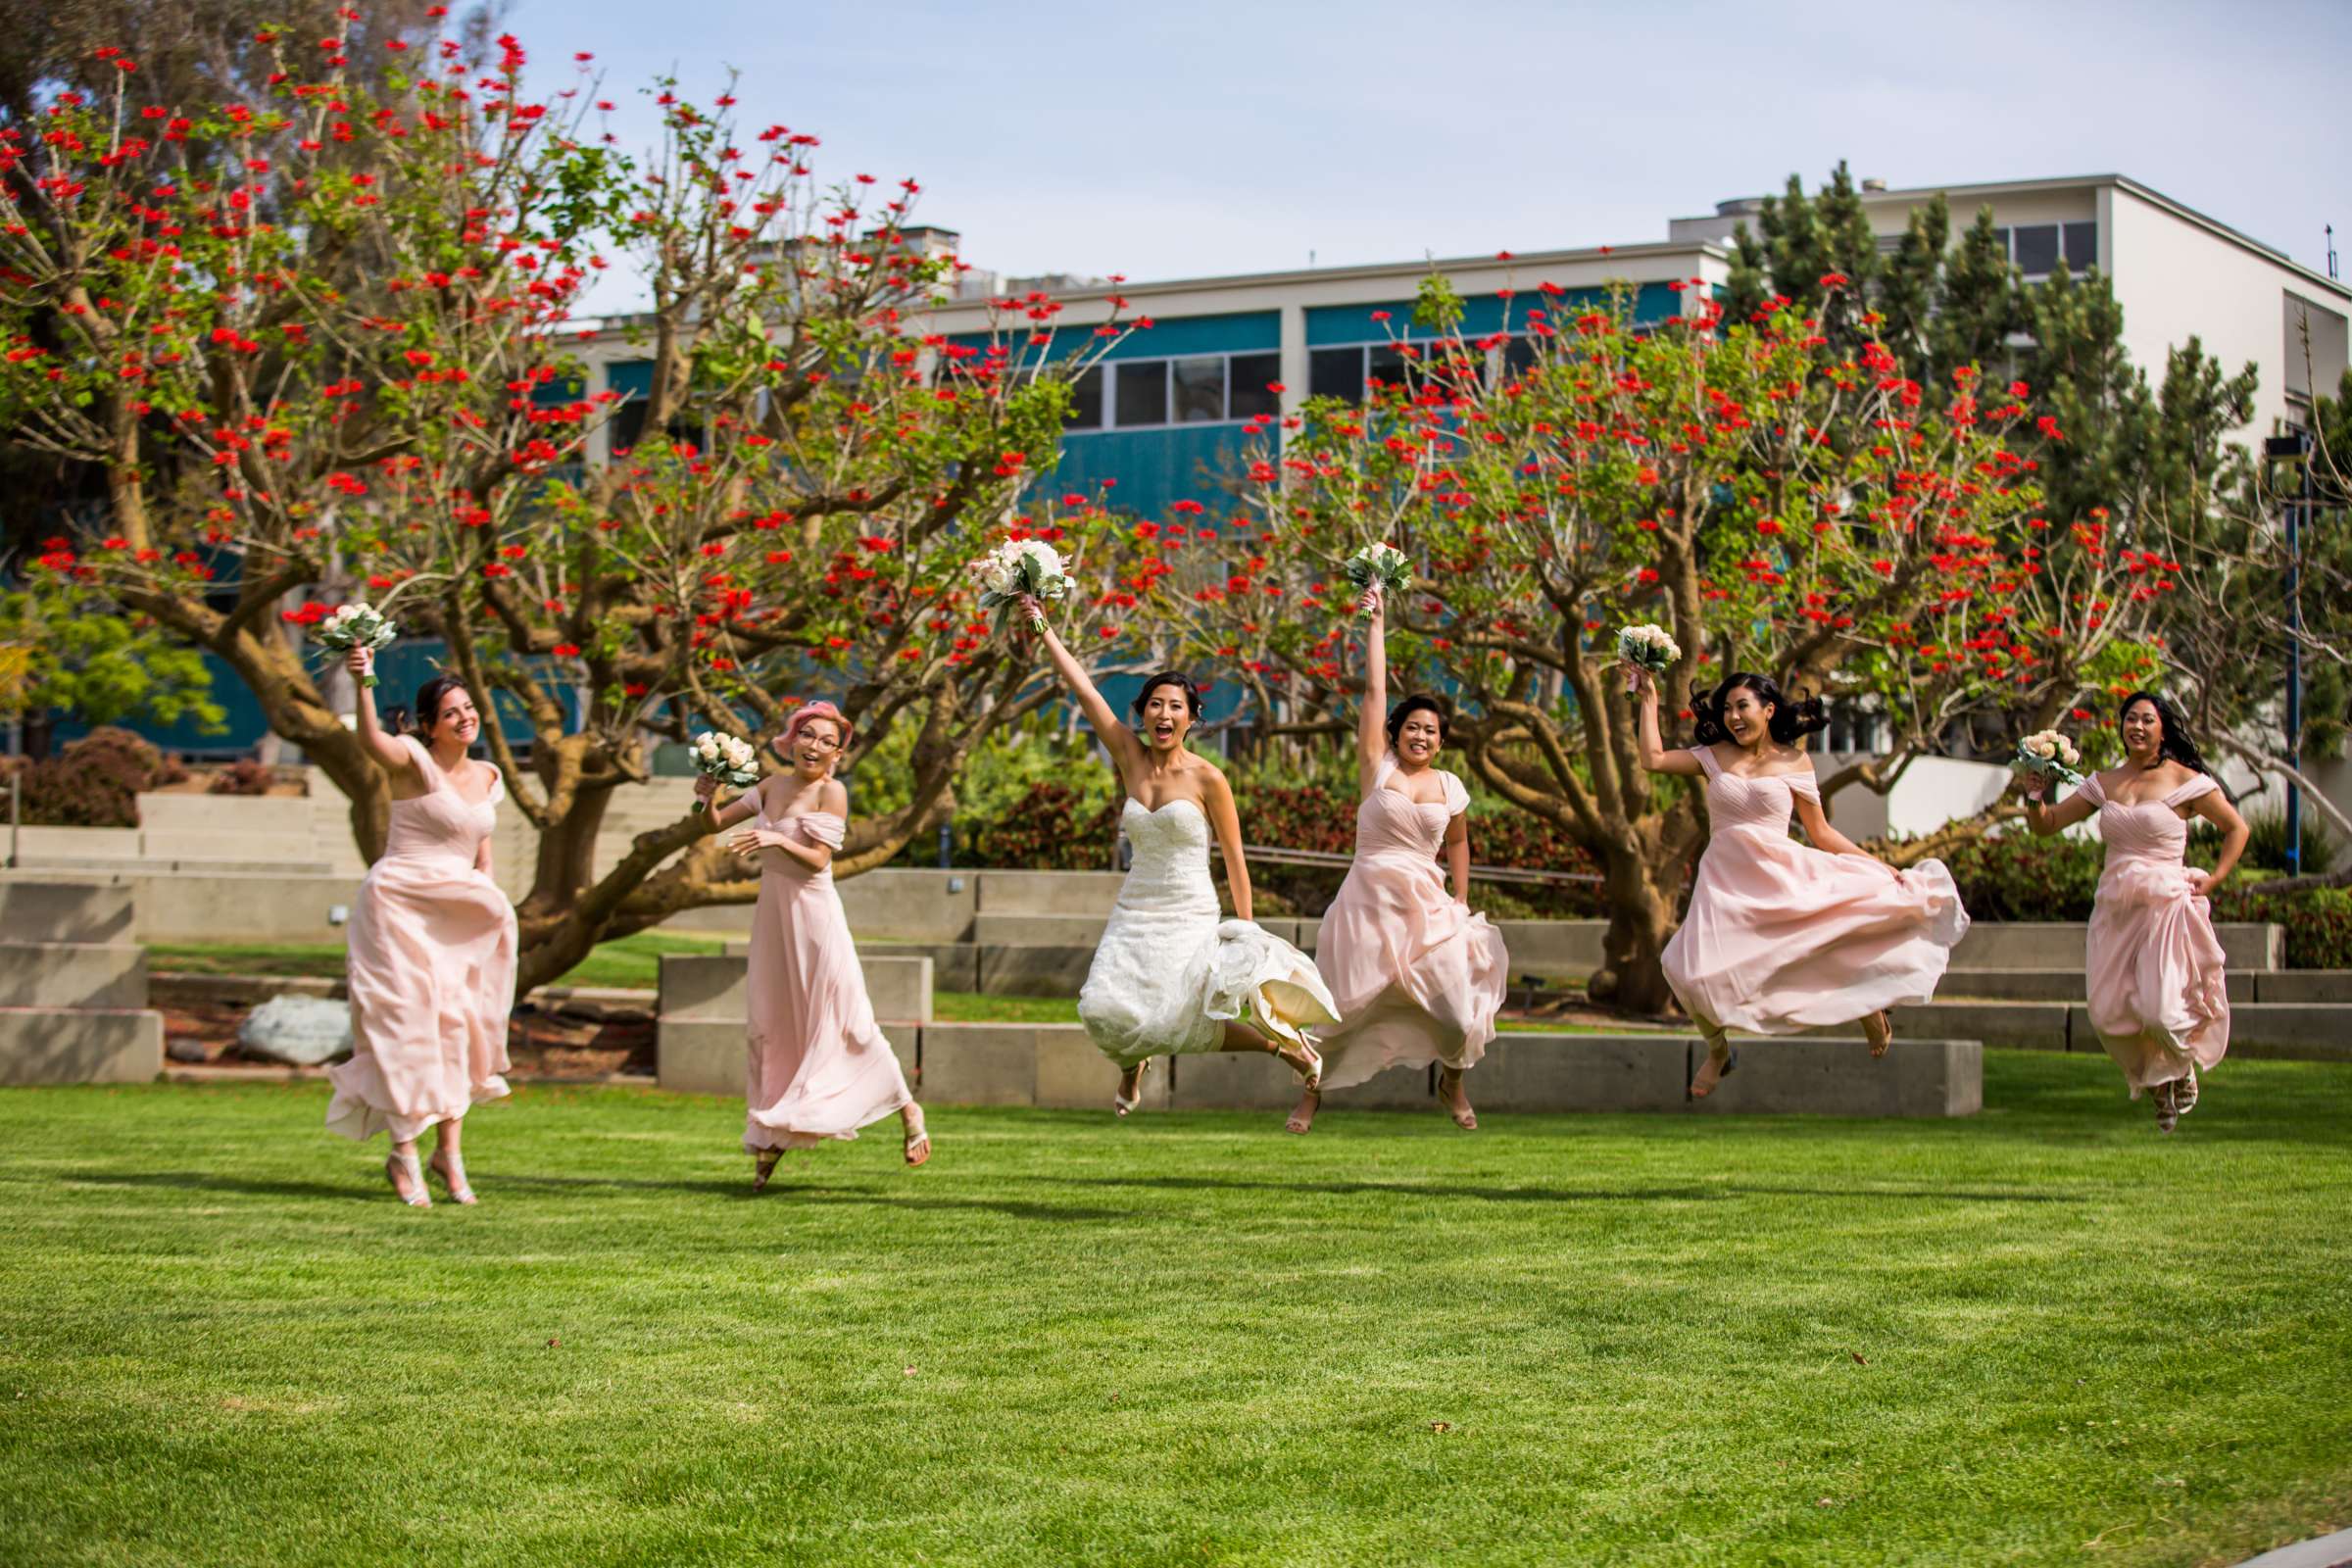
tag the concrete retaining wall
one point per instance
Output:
(2061, 945)
(1055, 1067)
(694, 985)
(708, 1056)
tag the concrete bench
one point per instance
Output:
(80, 1046)
(1055, 1065)
(712, 986)
(707, 1056)
(65, 912)
(73, 974)
(2061, 945)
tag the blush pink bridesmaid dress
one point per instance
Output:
(820, 1067)
(1419, 978)
(1782, 937)
(2158, 996)
(432, 970)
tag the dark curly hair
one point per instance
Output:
(1170, 677)
(418, 721)
(1790, 716)
(1418, 703)
(2176, 742)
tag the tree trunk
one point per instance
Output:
(1642, 917)
(565, 862)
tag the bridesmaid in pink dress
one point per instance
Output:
(1419, 978)
(431, 946)
(1782, 937)
(2158, 998)
(819, 1067)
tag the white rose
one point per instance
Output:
(2040, 745)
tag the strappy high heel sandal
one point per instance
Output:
(2185, 1094)
(1881, 1038)
(1305, 1060)
(918, 1140)
(763, 1165)
(1451, 1079)
(1703, 1081)
(1130, 1092)
(399, 1165)
(1302, 1116)
(452, 1171)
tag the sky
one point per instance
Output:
(1183, 140)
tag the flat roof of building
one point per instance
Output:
(1912, 195)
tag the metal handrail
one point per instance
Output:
(1478, 873)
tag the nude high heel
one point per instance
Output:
(399, 1165)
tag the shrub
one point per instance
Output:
(96, 782)
(2016, 876)
(1050, 827)
(245, 776)
(2318, 921)
(2266, 842)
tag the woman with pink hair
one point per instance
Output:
(819, 1067)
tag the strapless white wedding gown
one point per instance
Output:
(1170, 972)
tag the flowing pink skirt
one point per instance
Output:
(2159, 997)
(819, 1067)
(1419, 978)
(432, 982)
(1782, 937)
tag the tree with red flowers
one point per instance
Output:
(1811, 517)
(317, 344)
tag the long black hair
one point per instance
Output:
(1418, 703)
(2176, 742)
(420, 720)
(1791, 716)
(1170, 677)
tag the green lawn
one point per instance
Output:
(2045, 1335)
(631, 962)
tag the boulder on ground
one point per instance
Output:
(300, 1031)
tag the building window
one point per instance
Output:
(2316, 348)
(2082, 246)
(1248, 398)
(1337, 373)
(627, 426)
(2035, 249)
(1140, 391)
(1086, 402)
(1199, 389)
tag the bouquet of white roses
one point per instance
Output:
(2046, 754)
(1648, 648)
(1016, 567)
(356, 626)
(1381, 563)
(726, 760)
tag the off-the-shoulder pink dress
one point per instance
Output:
(2158, 996)
(1782, 937)
(432, 970)
(819, 1065)
(1417, 978)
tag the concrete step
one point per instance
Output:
(2050, 985)
(73, 974)
(1037, 930)
(2060, 945)
(707, 1056)
(65, 912)
(2295, 1031)
(1049, 893)
(698, 986)
(2303, 984)
(80, 1046)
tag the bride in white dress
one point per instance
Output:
(1170, 977)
